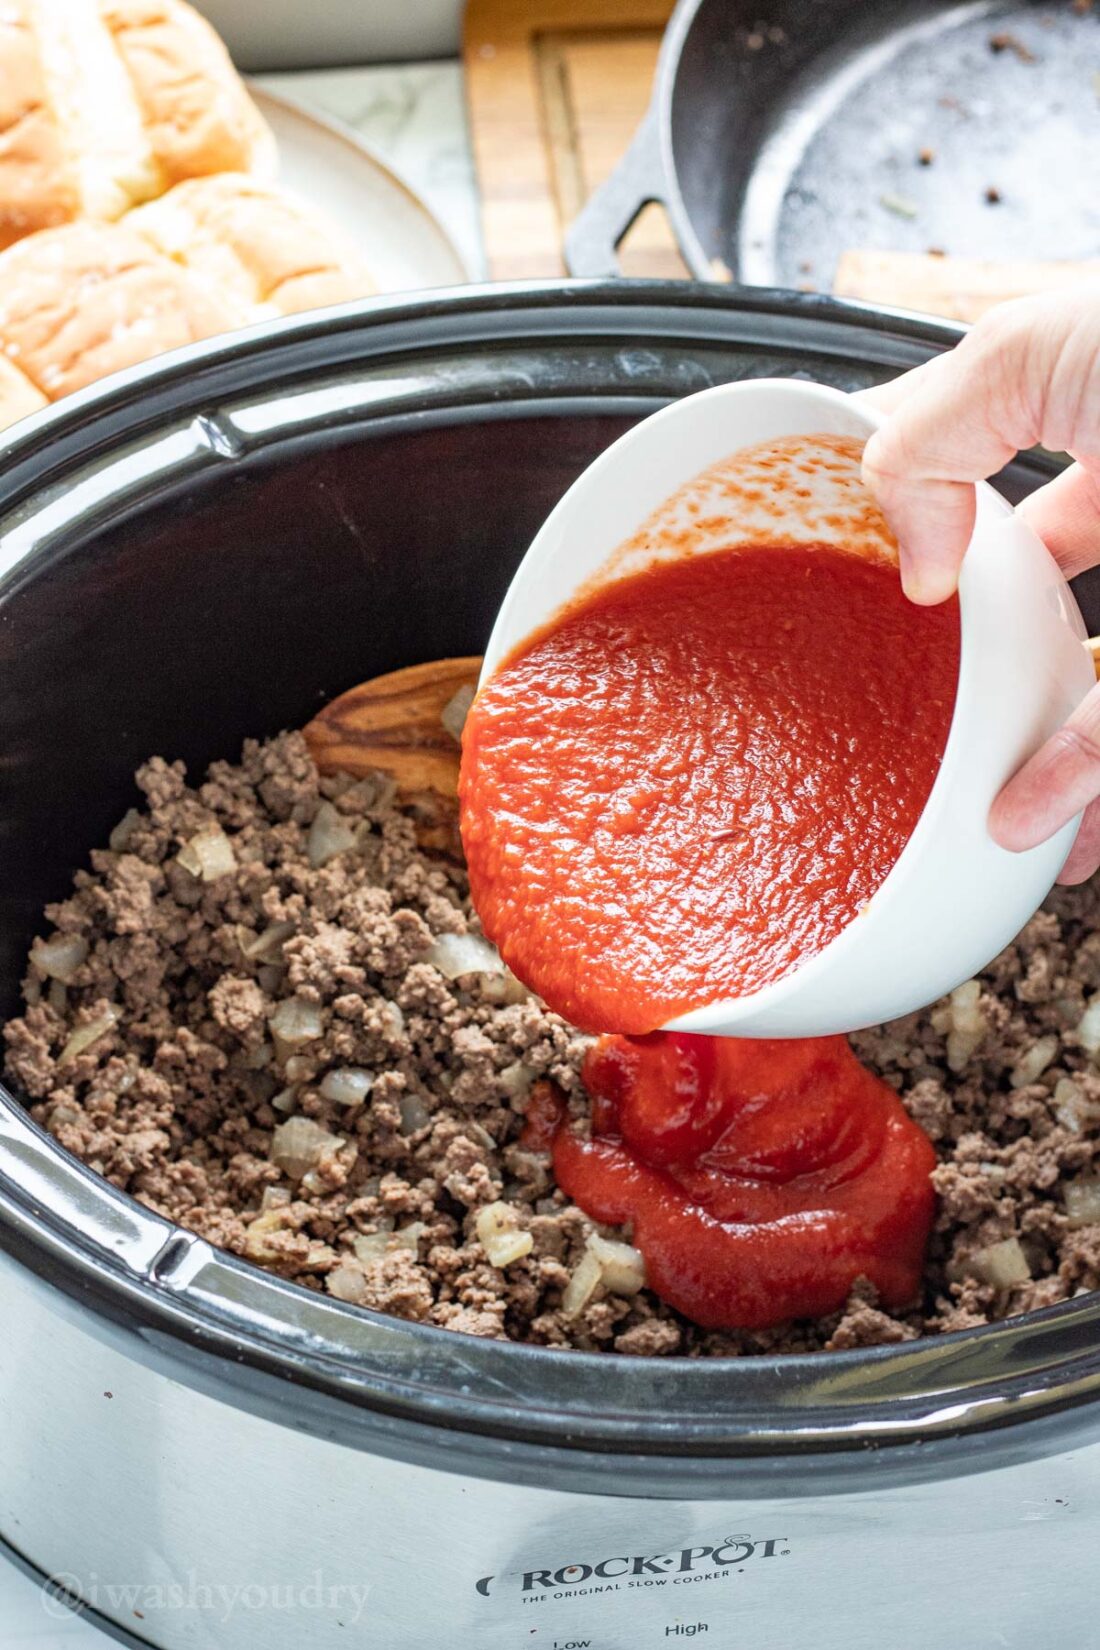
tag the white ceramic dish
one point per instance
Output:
(292, 34)
(954, 898)
(328, 167)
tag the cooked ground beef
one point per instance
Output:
(249, 1016)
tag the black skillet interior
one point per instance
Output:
(797, 131)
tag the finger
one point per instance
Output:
(1066, 515)
(1058, 782)
(886, 398)
(1084, 857)
(1025, 374)
(921, 466)
(933, 526)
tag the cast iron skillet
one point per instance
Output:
(776, 145)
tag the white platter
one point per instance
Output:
(330, 168)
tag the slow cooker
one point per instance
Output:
(198, 1454)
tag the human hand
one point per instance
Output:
(1027, 373)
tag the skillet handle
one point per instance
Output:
(593, 237)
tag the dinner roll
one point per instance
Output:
(18, 396)
(253, 243)
(88, 299)
(106, 103)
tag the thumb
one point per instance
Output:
(1060, 780)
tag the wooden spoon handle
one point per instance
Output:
(395, 722)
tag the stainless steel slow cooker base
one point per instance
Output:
(238, 1532)
(205, 550)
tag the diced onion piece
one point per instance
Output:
(964, 1002)
(1067, 1100)
(299, 1144)
(964, 1022)
(582, 1285)
(84, 1036)
(408, 1237)
(516, 1080)
(60, 956)
(294, 1022)
(458, 954)
(374, 1246)
(320, 1256)
(260, 1233)
(1033, 1062)
(1072, 1107)
(275, 1197)
(622, 1269)
(347, 1283)
(456, 710)
(1000, 1264)
(375, 790)
(266, 946)
(503, 988)
(119, 839)
(394, 1018)
(347, 1085)
(961, 1046)
(329, 835)
(208, 855)
(286, 1100)
(414, 1113)
(1088, 1026)
(498, 1232)
(1082, 1202)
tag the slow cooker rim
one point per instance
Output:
(82, 421)
(89, 411)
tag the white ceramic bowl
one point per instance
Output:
(954, 898)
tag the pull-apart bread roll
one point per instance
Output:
(107, 103)
(89, 299)
(254, 244)
(18, 396)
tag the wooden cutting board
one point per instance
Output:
(556, 89)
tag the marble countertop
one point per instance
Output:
(414, 116)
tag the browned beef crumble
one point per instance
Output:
(236, 1017)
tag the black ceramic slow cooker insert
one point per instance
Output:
(210, 548)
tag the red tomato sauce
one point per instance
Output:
(760, 1178)
(692, 780)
